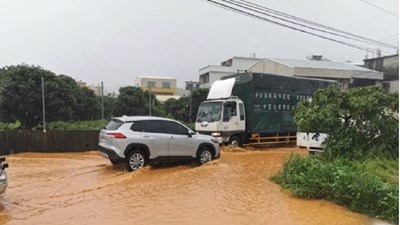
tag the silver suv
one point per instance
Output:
(139, 140)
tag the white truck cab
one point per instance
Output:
(222, 115)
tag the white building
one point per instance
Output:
(389, 65)
(348, 75)
(212, 73)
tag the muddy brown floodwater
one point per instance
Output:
(84, 188)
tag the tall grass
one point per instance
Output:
(78, 125)
(358, 185)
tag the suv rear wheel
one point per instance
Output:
(204, 156)
(135, 160)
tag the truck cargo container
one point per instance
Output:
(255, 108)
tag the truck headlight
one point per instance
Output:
(216, 134)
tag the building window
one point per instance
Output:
(205, 78)
(166, 85)
(151, 84)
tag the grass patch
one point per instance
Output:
(368, 186)
(77, 125)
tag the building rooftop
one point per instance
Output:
(155, 77)
(320, 64)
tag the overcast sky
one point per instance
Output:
(116, 41)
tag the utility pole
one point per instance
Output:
(149, 100)
(190, 106)
(43, 107)
(102, 101)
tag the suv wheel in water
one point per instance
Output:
(135, 160)
(204, 156)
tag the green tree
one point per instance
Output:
(177, 108)
(21, 97)
(131, 101)
(180, 109)
(88, 105)
(109, 106)
(360, 122)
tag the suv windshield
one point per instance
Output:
(113, 124)
(209, 111)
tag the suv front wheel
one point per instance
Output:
(135, 160)
(204, 156)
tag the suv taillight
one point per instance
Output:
(117, 135)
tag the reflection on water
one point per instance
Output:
(83, 188)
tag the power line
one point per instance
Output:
(276, 12)
(350, 53)
(373, 5)
(287, 26)
(252, 8)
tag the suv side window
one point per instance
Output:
(113, 124)
(137, 126)
(170, 127)
(149, 126)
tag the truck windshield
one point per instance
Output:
(209, 111)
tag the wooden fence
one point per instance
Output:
(15, 141)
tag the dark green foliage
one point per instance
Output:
(177, 109)
(131, 102)
(180, 109)
(109, 106)
(21, 97)
(360, 122)
(345, 182)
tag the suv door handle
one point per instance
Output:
(146, 136)
(172, 137)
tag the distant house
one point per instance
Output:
(163, 88)
(190, 85)
(211, 73)
(95, 88)
(389, 65)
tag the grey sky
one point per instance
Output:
(116, 41)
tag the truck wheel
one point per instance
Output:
(204, 155)
(135, 160)
(235, 141)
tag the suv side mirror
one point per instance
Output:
(190, 133)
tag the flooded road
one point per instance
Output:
(84, 188)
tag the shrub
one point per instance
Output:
(345, 182)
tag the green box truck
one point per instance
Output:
(255, 108)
